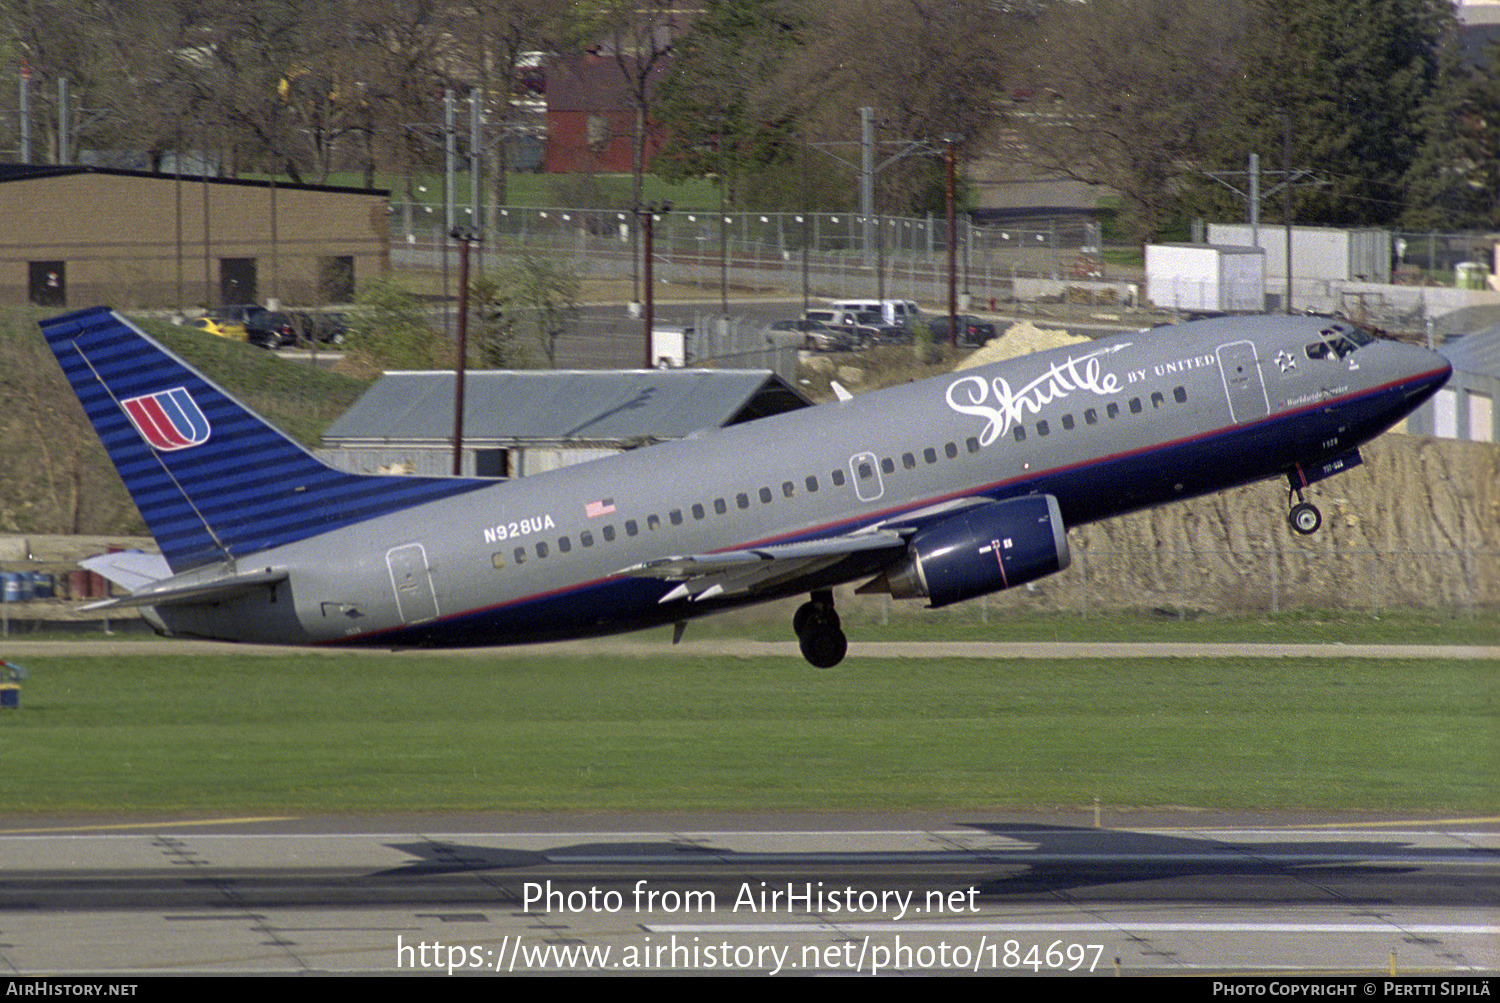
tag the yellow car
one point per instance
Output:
(221, 328)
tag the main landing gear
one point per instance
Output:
(816, 624)
(1304, 517)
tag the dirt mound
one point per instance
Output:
(1021, 338)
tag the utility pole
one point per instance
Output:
(1253, 197)
(465, 236)
(646, 215)
(867, 168)
(948, 144)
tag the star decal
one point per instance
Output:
(1286, 360)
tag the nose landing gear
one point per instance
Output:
(1304, 516)
(816, 624)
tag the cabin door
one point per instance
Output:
(1243, 385)
(416, 600)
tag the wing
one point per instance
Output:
(730, 572)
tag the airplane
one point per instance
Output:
(943, 489)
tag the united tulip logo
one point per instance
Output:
(168, 419)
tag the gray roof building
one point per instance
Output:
(1465, 408)
(522, 422)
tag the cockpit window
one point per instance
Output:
(1338, 342)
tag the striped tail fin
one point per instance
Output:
(212, 479)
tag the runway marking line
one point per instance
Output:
(148, 825)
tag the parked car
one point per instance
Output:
(882, 334)
(325, 328)
(832, 318)
(272, 329)
(898, 313)
(240, 313)
(972, 331)
(219, 328)
(817, 336)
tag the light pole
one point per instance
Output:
(646, 215)
(465, 237)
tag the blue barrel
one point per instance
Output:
(11, 585)
(43, 584)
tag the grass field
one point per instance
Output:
(321, 733)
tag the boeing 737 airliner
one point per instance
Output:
(943, 490)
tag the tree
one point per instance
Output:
(928, 69)
(1352, 86)
(522, 311)
(1127, 93)
(718, 105)
(392, 332)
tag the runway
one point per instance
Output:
(636, 646)
(1187, 893)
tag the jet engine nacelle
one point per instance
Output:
(983, 549)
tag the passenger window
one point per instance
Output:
(1067, 421)
(498, 560)
(586, 538)
(951, 450)
(888, 465)
(1179, 395)
(742, 500)
(1157, 398)
(698, 512)
(1020, 433)
(1112, 409)
(609, 534)
(812, 484)
(1091, 416)
(564, 544)
(721, 506)
(971, 444)
(908, 461)
(653, 522)
(631, 529)
(675, 517)
(765, 496)
(1135, 405)
(838, 478)
(929, 454)
(520, 555)
(1042, 428)
(541, 549)
(788, 489)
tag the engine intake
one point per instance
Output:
(984, 549)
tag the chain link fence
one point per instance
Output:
(832, 254)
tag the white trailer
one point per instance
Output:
(1206, 277)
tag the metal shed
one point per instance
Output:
(523, 422)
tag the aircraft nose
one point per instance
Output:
(1426, 371)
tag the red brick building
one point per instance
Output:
(591, 114)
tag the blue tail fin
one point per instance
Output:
(211, 478)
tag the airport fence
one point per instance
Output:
(832, 254)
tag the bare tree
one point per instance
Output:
(1127, 93)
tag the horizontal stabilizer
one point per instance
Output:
(129, 569)
(194, 589)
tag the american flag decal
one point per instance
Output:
(168, 419)
(595, 509)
